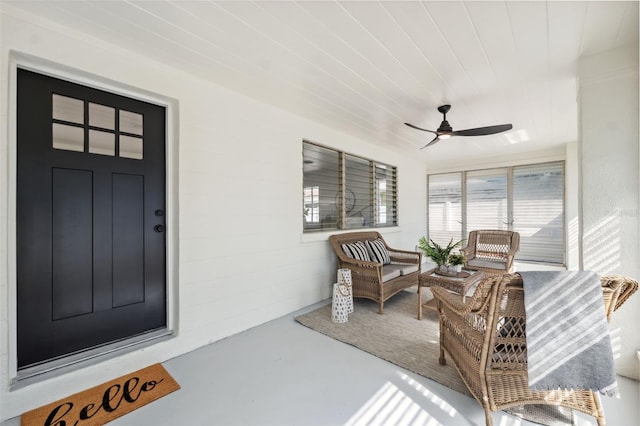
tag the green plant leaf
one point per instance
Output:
(437, 253)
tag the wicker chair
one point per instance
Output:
(491, 251)
(373, 280)
(493, 365)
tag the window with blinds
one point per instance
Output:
(487, 199)
(528, 199)
(322, 176)
(358, 203)
(343, 191)
(538, 211)
(385, 187)
(445, 207)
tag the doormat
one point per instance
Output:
(105, 402)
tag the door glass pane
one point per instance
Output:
(445, 207)
(538, 211)
(102, 116)
(101, 143)
(67, 109)
(130, 122)
(69, 138)
(131, 147)
(487, 200)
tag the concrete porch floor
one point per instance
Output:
(282, 373)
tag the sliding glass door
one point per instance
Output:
(445, 207)
(487, 199)
(528, 199)
(538, 211)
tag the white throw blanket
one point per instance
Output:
(568, 342)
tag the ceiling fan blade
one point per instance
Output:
(434, 140)
(420, 128)
(481, 131)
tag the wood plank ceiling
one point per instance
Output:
(367, 67)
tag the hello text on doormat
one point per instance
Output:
(105, 402)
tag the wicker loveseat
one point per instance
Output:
(491, 250)
(485, 338)
(372, 278)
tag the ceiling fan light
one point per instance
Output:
(444, 136)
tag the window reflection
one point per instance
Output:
(130, 122)
(68, 109)
(131, 147)
(102, 143)
(102, 116)
(69, 138)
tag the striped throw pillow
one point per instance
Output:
(356, 251)
(378, 251)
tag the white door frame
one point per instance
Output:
(43, 66)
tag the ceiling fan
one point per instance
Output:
(445, 131)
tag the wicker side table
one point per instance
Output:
(455, 284)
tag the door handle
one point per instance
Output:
(159, 228)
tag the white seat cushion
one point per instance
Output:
(394, 270)
(406, 268)
(390, 272)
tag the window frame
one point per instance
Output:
(356, 197)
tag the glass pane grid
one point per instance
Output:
(68, 128)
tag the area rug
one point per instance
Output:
(398, 337)
(105, 402)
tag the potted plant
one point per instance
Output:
(438, 253)
(457, 260)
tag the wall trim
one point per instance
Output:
(555, 154)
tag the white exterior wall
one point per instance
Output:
(243, 259)
(609, 196)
